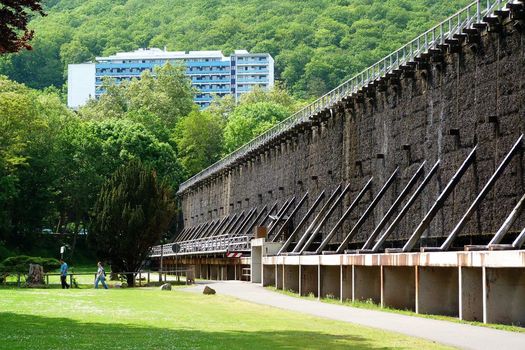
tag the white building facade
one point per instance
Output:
(211, 73)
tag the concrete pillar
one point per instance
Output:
(330, 281)
(471, 294)
(309, 281)
(438, 291)
(504, 293)
(398, 288)
(268, 276)
(291, 278)
(279, 276)
(346, 283)
(256, 264)
(367, 283)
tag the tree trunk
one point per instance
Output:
(75, 234)
(130, 277)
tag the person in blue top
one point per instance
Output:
(63, 274)
(101, 276)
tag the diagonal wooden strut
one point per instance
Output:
(394, 206)
(261, 223)
(301, 223)
(382, 239)
(423, 225)
(290, 217)
(344, 216)
(325, 218)
(502, 231)
(248, 229)
(320, 219)
(280, 216)
(245, 222)
(484, 191)
(367, 212)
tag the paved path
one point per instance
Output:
(449, 333)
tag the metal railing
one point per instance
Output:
(431, 39)
(216, 244)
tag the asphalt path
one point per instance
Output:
(450, 333)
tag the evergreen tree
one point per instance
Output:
(131, 214)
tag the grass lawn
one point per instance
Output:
(147, 318)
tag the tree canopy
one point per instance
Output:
(14, 17)
(133, 210)
(316, 44)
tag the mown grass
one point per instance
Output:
(370, 305)
(84, 276)
(147, 318)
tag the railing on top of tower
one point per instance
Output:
(431, 39)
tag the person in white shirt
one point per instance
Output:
(101, 276)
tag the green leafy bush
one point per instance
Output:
(20, 264)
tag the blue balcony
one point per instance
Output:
(203, 99)
(211, 81)
(253, 71)
(224, 90)
(252, 63)
(208, 72)
(263, 80)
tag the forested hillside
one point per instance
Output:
(316, 43)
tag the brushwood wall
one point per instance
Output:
(472, 96)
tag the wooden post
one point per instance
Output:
(148, 277)
(140, 279)
(18, 279)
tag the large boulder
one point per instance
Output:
(165, 286)
(208, 291)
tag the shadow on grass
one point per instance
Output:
(37, 332)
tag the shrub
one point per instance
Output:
(20, 264)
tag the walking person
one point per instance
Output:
(101, 276)
(63, 274)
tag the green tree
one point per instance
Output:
(249, 120)
(133, 210)
(15, 15)
(199, 140)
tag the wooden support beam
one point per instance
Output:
(183, 232)
(502, 231)
(219, 227)
(279, 212)
(263, 221)
(235, 225)
(520, 240)
(251, 223)
(226, 227)
(301, 223)
(290, 217)
(280, 216)
(423, 225)
(245, 221)
(209, 228)
(394, 206)
(367, 213)
(345, 215)
(382, 239)
(484, 191)
(324, 219)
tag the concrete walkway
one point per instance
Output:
(449, 333)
